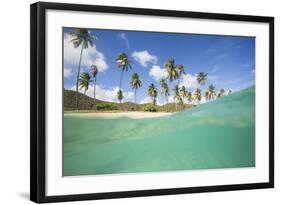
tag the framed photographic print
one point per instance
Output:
(129, 102)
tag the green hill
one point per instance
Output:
(86, 103)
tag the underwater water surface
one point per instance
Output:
(217, 134)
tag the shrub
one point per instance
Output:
(149, 108)
(106, 106)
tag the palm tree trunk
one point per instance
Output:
(136, 98)
(95, 91)
(78, 74)
(121, 76)
(120, 83)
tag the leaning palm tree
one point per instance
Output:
(211, 92)
(166, 92)
(207, 95)
(84, 81)
(197, 95)
(183, 92)
(135, 84)
(124, 64)
(120, 96)
(177, 96)
(201, 78)
(165, 89)
(94, 72)
(189, 97)
(81, 37)
(172, 71)
(153, 93)
(180, 69)
(162, 82)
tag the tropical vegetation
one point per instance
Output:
(81, 37)
(135, 84)
(124, 64)
(107, 106)
(84, 81)
(153, 93)
(182, 93)
(94, 72)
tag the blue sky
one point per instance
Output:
(229, 61)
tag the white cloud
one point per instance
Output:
(124, 37)
(144, 57)
(149, 100)
(171, 99)
(67, 72)
(189, 81)
(106, 94)
(157, 72)
(90, 55)
(129, 96)
(146, 100)
(159, 100)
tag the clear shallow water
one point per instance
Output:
(218, 134)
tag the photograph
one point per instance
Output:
(147, 102)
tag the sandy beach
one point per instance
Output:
(133, 115)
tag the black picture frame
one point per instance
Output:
(38, 101)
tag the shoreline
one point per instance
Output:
(131, 114)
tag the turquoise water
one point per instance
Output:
(218, 134)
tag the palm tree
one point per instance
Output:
(120, 95)
(162, 84)
(166, 92)
(189, 97)
(152, 92)
(183, 92)
(177, 96)
(221, 93)
(165, 89)
(81, 36)
(197, 95)
(211, 92)
(123, 63)
(207, 96)
(94, 71)
(180, 69)
(201, 78)
(84, 81)
(171, 70)
(135, 83)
